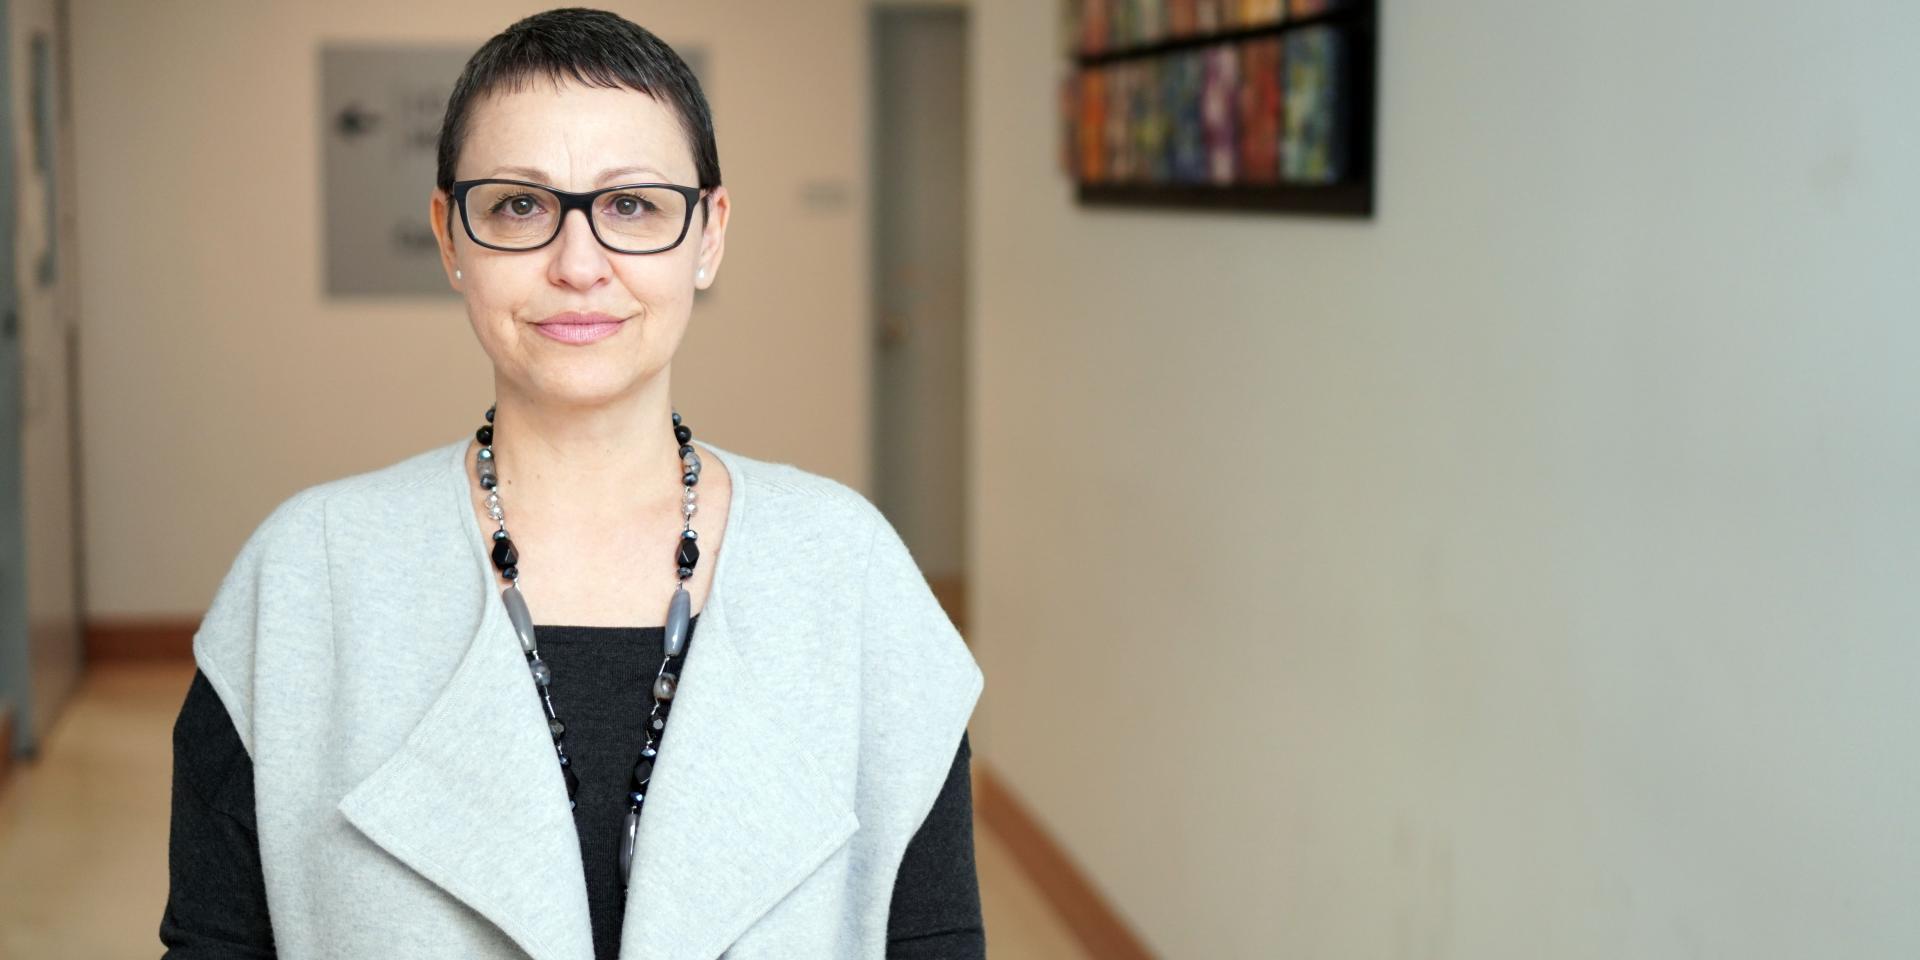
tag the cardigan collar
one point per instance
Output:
(474, 801)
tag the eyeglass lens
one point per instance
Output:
(634, 219)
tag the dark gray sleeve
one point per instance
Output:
(216, 896)
(936, 896)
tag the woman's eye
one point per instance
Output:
(631, 206)
(519, 205)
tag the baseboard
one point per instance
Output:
(139, 640)
(1085, 912)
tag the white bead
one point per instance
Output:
(691, 495)
(689, 508)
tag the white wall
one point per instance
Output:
(1527, 572)
(217, 379)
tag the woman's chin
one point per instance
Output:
(581, 387)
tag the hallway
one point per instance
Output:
(1415, 480)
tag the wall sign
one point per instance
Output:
(380, 113)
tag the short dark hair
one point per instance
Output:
(596, 48)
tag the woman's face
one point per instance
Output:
(567, 136)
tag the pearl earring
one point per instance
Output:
(702, 275)
(456, 274)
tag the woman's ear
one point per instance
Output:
(713, 237)
(440, 221)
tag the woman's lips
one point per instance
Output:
(586, 331)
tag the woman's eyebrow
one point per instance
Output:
(535, 173)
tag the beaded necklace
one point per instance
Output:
(506, 560)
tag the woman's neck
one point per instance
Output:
(569, 465)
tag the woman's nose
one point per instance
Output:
(579, 258)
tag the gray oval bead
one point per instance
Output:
(629, 839)
(677, 617)
(522, 620)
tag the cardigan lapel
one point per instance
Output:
(739, 814)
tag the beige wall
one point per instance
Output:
(1528, 572)
(216, 378)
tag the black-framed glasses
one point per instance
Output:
(522, 215)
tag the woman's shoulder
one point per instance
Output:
(380, 496)
(413, 471)
(790, 515)
(783, 495)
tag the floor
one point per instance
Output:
(83, 835)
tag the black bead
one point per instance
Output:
(676, 418)
(686, 572)
(485, 435)
(685, 448)
(511, 573)
(689, 534)
(641, 771)
(689, 553)
(504, 554)
(690, 478)
(489, 414)
(487, 480)
(573, 780)
(500, 534)
(684, 433)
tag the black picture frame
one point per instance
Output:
(1131, 106)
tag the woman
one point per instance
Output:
(400, 743)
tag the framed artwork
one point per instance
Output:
(1254, 104)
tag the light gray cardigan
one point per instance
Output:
(408, 800)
